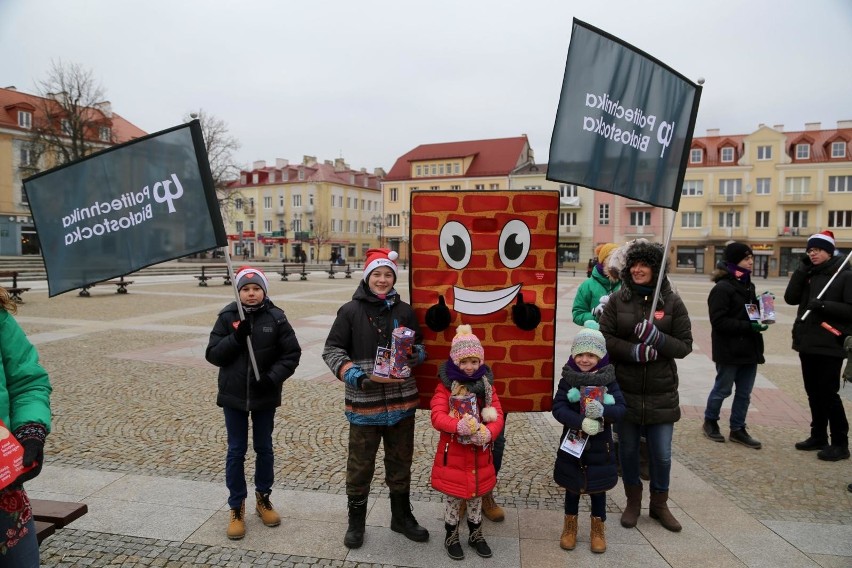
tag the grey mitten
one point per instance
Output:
(594, 409)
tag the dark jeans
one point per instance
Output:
(727, 377)
(572, 504)
(398, 442)
(659, 438)
(236, 424)
(821, 375)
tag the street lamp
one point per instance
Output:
(405, 215)
(378, 222)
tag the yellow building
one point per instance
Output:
(770, 189)
(468, 165)
(19, 112)
(311, 211)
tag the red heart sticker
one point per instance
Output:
(658, 315)
(236, 324)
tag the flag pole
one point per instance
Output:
(824, 288)
(240, 308)
(662, 266)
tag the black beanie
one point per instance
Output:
(736, 252)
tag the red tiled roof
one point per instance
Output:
(12, 100)
(820, 141)
(493, 157)
(319, 172)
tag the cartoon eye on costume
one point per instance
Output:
(455, 244)
(514, 243)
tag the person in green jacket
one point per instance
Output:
(25, 412)
(594, 292)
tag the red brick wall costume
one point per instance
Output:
(488, 259)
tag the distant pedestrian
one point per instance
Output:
(594, 292)
(818, 340)
(737, 343)
(25, 410)
(242, 395)
(467, 413)
(587, 403)
(380, 410)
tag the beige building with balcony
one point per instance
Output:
(312, 211)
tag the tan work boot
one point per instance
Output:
(265, 511)
(569, 533)
(237, 524)
(492, 511)
(598, 535)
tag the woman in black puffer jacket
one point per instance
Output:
(643, 348)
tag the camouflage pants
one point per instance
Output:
(364, 441)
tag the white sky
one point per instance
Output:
(369, 80)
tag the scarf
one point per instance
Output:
(738, 272)
(456, 374)
(261, 306)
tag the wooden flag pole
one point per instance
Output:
(240, 309)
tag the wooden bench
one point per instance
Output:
(345, 268)
(50, 515)
(121, 283)
(295, 268)
(14, 290)
(208, 272)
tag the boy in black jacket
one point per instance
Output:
(241, 393)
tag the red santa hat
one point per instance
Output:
(824, 241)
(380, 257)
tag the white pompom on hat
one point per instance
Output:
(380, 257)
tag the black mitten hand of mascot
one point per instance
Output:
(438, 316)
(526, 316)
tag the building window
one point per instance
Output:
(603, 214)
(394, 194)
(24, 199)
(419, 168)
(729, 219)
(25, 119)
(65, 126)
(763, 186)
(640, 218)
(479, 186)
(696, 156)
(238, 226)
(456, 187)
(434, 187)
(267, 226)
(690, 219)
(569, 190)
(797, 219)
(568, 218)
(803, 151)
(27, 157)
(692, 188)
(267, 202)
(690, 257)
(105, 134)
(301, 174)
(238, 203)
(764, 152)
(761, 219)
(727, 154)
(494, 186)
(532, 187)
(839, 184)
(441, 169)
(434, 170)
(255, 177)
(798, 185)
(838, 149)
(457, 169)
(297, 200)
(730, 187)
(281, 200)
(840, 219)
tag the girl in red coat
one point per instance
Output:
(467, 413)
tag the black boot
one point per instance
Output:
(477, 541)
(357, 519)
(402, 519)
(451, 542)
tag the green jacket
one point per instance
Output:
(25, 389)
(589, 294)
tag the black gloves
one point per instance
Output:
(31, 436)
(816, 304)
(243, 331)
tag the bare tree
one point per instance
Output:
(221, 146)
(74, 118)
(320, 234)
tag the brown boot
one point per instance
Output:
(569, 533)
(237, 524)
(598, 535)
(265, 511)
(660, 510)
(492, 511)
(630, 515)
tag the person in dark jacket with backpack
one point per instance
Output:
(243, 394)
(380, 410)
(737, 343)
(819, 341)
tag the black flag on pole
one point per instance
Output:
(133, 205)
(624, 122)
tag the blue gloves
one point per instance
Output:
(354, 375)
(649, 334)
(417, 356)
(644, 353)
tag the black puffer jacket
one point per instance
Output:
(650, 389)
(276, 351)
(805, 284)
(734, 341)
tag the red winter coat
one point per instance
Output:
(462, 470)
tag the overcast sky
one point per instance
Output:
(369, 80)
